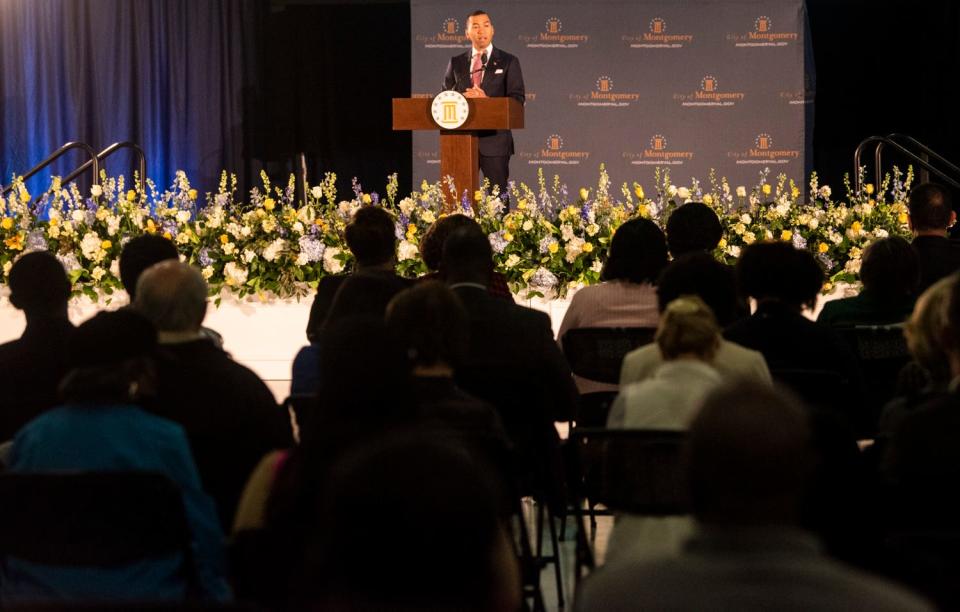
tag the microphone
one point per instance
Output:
(483, 64)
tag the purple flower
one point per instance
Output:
(465, 200)
(205, 257)
(170, 226)
(357, 189)
(374, 198)
(36, 241)
(497, 242)
(312, 248)
(585, 211)
(401, 230)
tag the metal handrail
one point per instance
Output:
(56, 155)
(891, 142)
(126, 144)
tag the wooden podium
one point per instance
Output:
(459, 148)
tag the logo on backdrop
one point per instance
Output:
(764, 151)
(709, 94)
(658, 153)
(450, 109)
(763, 34)
(554, 152)
(429, 157)
(449, 36)
(553, 36)
(604, 94)
(800, 96)
(657, 37)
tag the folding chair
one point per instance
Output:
(597, 353)
(881, 352)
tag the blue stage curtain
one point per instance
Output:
(170, 75)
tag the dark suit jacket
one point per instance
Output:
(32, 366)
(327, 291)
(939, 257)
(502, 78)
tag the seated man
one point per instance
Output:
(230, 416)
(749, 458)
(36, 361)
(931, 216)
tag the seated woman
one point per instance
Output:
(99, 427)
(627, 296)
(890, 273)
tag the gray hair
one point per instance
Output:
(173, 295)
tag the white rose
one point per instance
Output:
(592, 229)
(235, 275)
(566, 232)
(207, 272)
(330, 263)
(741, 191)
(407, 250)
(683, 193)
(183, 216)
(749, 238)
(96, 191)
(597, 266)
(249, 255)
(825, 191)
(98, 273)
(229, 248)
(745, 219)
(298, 227)
(406, 206)
(274, 249)
(115, 268)
(78, 216)
(527, 225)
(671, 190)
(90, 247)
(512, 260)
(733, 251)
(183, 238)
(302, 259)
(317, 193)
(881, 233)
(113, 225)
(813, 224)
(428, 216)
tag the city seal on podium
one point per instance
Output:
(450, 109)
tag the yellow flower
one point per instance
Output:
(192, 194)
(856, 226)
(54, 222)
(786, 235)
(766, 189)
(15, 242)
(722, 244)
(7, 223)
(411, 229)
(707, 199)
(521, 204)
(367, 199)
(106, 244)
(868, 188)
(151, 227)
(584, 193)
(796, 192)
(131, 196)
(638, 191)
(507, 236)
(269, 203)
(424, 185)
(553, 248)
(903, 218)
(823, 247)
(24, 195)
(168, 235)
(643, 210)
(587, 247)
(477, 195)
(224, 239)
(827, 287)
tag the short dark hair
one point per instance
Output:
(693, 226)
(930, 207)
(890, 268)
(467, 256)
(38, 283)
(431, 323)
(140, 253)
(701, 275)
(371, 236)
(431, 247)
(476, 13)
(777, 270)
(638, 253)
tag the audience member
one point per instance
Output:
(230, 416)
(701, 275)
(931, 216)
(371, 237)
(100, 427)
(813, 358)
(688, 338)
(890, 272)
(442, 544)
(627, 296)
(35, 362)
(431, 251)
(513, 361)
(693, 227)
(748, 461)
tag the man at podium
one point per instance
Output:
(484, 72)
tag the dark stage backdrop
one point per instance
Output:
(172, 76)
(639, 84)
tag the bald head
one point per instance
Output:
(748, 456)
(173, 296)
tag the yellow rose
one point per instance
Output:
(367, 199)
(269, 204)
(553, 248)
(106, 244)
(224, 239)
(521, 204)
(411, 229)
(856, 226)
(192, 194)
(903, 218)
(707, 199)
(766, 189)
(587, 247)
(507, 236)
(7, 223)
(54, 222)
(868, 188)
(643, 210)
(167, 235)
(827, 287)
(722, 244)
(477, 195)
(584, 193)
(24, 196)
(151, 227)
(638, 191)
(786, 235)
(131, 196)
(823, 247)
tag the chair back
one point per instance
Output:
(93, 519)
(594, 408)
(597, 353)
(631, 470)
(882, 352)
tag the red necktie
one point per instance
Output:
(476, 72)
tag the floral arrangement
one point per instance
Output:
(551, 242)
